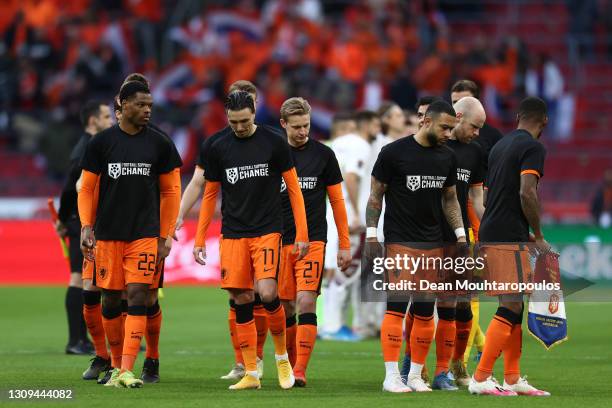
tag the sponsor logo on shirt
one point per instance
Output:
(116, 170)
(464, 175)
(414, 182)
(306, 183)
(234, 174)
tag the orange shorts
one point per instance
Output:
(88, 269)
(506, 263)
(304, 274)
(119, 263)
(246, 260)
(424, 271)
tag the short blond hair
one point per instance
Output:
(243, 85)
(294, 106)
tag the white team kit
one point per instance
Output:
(353, 153)
(366, 182)
(357, 156)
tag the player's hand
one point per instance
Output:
(373, 248)
(301, 249)
(463, 249)
(88, 242)
(199, 254)
(542, 245)
(163, 248)
(61, 229)
(177, 226)
(344, 259)
(179, 223)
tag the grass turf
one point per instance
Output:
(195, 352)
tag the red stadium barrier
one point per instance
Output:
(30, 254)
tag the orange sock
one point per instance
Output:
(292, 329)
(93, 319)
(306, 337)
(391, 335)
(408, 329)
(461, 338)
(124, 306)
(512, 355)
(135, 326)
(276, 320)
(113, 328)
(124, 309)
(445, 342)
(154, 321)
(246, 334)
(421, 337)
(231, 320)
(497, 336)
(261, 324)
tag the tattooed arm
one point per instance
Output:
(375, 203)
(452, 210)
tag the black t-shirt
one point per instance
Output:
(68, 212)
(469, 172)
(156, 128)
(129, 167)
(250, 171)
(317, 168)
(503, 219)
(487, 138)
(205, 147)
(415, 176)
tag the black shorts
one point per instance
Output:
(76, 256)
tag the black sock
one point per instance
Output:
(74, 311)
(290, 321)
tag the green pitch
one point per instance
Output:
(195, 351)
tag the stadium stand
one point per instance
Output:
(338, 54)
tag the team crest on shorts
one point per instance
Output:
(102, 273)
(232, 174)
(114, 170)
(413, 182)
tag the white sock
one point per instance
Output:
(281, 357)
(415, 369)
(253, 373)
(391, 368)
